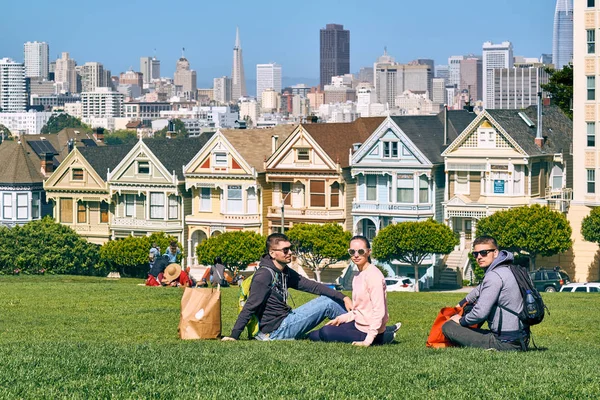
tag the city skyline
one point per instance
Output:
(530, 30)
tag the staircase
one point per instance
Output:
(449, 272)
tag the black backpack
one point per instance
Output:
(533, 311)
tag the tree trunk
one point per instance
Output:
(416, 267)
(318, 274)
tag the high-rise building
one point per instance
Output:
(186, 78)
(439, 90)
(441, 71)
(222, 89)
(334, 52)
(93, 75)
(36, 60)
(238, 80)
(471, 78)
(518, 87)
(392, 79)
(494, 56)
(150, 68)
(366, 75)
(132, 78)
(426, 61)
(13, 94)
(102, 103)
(268, 76)
(65, 75)
(562, 39)
(546, 59)
(454, 70)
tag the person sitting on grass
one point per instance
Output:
(365, 324)
(217, 272)
(175, 276)
(156, 274)
(497, 290)
(173, 252)
(269, 293)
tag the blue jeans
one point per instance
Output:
(304, 318)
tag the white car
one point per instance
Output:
(400, 284)
(589, 287)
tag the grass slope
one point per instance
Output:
(81, 337)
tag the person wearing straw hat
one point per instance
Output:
(175, 276)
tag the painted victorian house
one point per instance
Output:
(503, 159)
(227, 183)
(309, 174)
(399, 174)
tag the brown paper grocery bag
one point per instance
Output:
(200, 314)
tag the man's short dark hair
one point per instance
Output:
(173, 243)
(274, 238)
(485, 240)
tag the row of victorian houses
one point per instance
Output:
(455, 167)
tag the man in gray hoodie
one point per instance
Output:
(497, 292)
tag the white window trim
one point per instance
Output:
(468, 184)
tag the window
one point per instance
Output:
(406, 190)
(205, 199)
(234, 199)
(302, 155)
(591, 134)
(81, 213)
(66, 210)
(143, 167)
(580, 289)
(423, 189)
(499, 182)
(286, 188)
(35, 205)
(317, 193)
(173, 207)
(157, 205)
(462, 182)
(371, 187)
(252, 203)
(221, 159)
(518, 174)
(335, 195)
(129, 205)
(591, 41)
(557, 177)
(22, 205)
(591, 3)
(591, 181)
(591, 88)
(77, 174)
(103, 212)
(390, 149)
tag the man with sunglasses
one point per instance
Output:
(497, 292)
(269, 294)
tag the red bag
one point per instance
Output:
(436, 338)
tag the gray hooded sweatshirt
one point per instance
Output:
(498, 288)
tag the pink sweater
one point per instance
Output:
(370, 312)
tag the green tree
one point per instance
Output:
(4, 130)
(560, 86)
(178, 128)
(237, 249)
(121, 137)
(411, 242)
(319, 246)
(57, 123)
(129, 256)
(528, 230)
(45, 246)
(590, 226)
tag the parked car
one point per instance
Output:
(400, 284)
(549, 280)
(591, 287)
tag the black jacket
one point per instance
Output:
(268, 301)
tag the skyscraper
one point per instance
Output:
(36, 60)
(13, 96)
(65, 74)
(268, 76)
(186, 78)
(494, 56)
(471, 78)
(93, 75)
(150, 67)
(335, 52)
(222, 89)
(562, 40)
(454, 70)
(238, 80)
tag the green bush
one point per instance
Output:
(45, 246)
(237, 249)
(129, 256)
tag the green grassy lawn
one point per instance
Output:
(82, 337)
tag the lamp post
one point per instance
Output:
(283, 209)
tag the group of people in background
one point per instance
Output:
(165, 269)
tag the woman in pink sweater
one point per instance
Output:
(365, 324)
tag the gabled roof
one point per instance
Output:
(17, 167)
(254, 145)
(427, 131)
(336, 139)
(175, 153)
(106, 157)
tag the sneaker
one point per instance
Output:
(390, 332)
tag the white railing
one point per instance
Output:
(145, 223)
(305, 212)
(241, 217)
(391, 208)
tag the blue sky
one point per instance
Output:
(118, 33)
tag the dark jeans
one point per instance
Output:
(345, 333)
(480, 338)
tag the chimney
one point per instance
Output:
(445, 124)
(539, 139)
(47, 164)
(71, 144)
(99, 134)
(274, 139)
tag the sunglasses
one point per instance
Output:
(285, 250)
(483, 253)
(361, 252)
